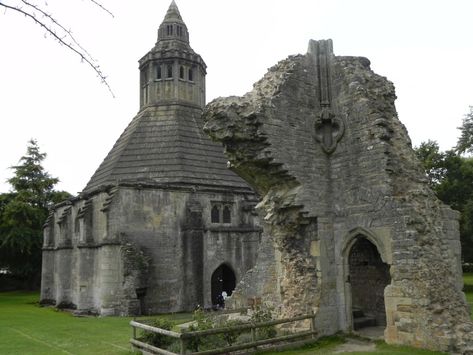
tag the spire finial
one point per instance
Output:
(173, 12)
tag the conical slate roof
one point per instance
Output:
(173, 13)
(166, 145)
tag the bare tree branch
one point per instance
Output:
(51, 25)
(53, 20)
(102, 7)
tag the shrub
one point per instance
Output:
(231, 336)
(155, 339)
(264, 314)
(467, 267)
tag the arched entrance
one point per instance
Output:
(368, 277)
(223, 280)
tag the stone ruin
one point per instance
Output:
(351, 227)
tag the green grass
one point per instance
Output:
(327, 345)
(468, 288)
(26, 328)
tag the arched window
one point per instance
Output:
(215, 214)
(158, 72)
(227, 214)
(168, 29)
(190, 75)
(181, 72)
(169, 73)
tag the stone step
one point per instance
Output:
(357, 313)
(363, 322)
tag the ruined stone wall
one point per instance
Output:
(319, 139)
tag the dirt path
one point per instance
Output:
(353, 345)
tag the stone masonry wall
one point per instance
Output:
(319, 139)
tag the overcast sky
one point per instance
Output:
(424, 47)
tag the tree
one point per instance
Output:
(465, 142)
(432, 158)
(40, 15)
(23, 212)
(451, 177)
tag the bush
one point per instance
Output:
(155, 339)
(467, 267)
(262, 315)
(203, 322)
(231, 336)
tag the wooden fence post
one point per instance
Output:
(312, 324)
(134, 329)
(183, 345)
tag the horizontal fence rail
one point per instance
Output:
(185, 337)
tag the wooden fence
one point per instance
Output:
(183, 338)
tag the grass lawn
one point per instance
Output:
(328, 345)
(26, 328)
(468, 279)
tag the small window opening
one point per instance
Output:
(169, 73)
(181, 72)
(191, 78)
(158, 72)
(168, 30)
(215, 214)
(227, 214)
(171, 29)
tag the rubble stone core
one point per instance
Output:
(319, 139)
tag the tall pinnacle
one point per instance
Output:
(173, 29)
(173, 13)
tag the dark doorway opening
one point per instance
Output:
(369, 276)
(140, 294)
(223, 283)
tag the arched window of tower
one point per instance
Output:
(227, 214)
(190, 75)
(169, 73)
(181, 72)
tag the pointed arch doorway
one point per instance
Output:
(223, 281)
(368, 277)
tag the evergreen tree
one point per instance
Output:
(23, 212)
(465, 142)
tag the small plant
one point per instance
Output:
(261, 315)
(158, 340)
(231, 336)
(202, 322)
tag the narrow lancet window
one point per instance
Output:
(181, 72)
(191, 78)
(215, 214)
(227, 214)
(158, 72)
(169, 73)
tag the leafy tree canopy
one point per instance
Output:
(451, 177)
(23, 212)
(465, 142)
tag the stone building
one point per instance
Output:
(162, 225)
(357, 235)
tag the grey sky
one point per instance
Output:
(424, 47)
